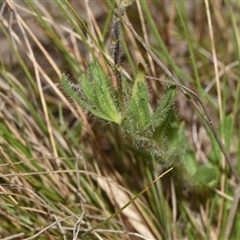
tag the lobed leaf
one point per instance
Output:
(164, 109)
(87, 88)
(138, 106)
(102, 96)
(67, 87)
(204, 175)
(140, 78)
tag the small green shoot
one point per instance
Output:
(138, 119)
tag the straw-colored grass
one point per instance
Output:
(67, 174)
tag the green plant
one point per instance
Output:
(126, 105)
(129, 105)
(64, 175)
(137, 118)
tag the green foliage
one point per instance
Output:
(138, 120)
(97, 95)
(204, 175)
(50, 176)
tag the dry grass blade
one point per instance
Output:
(65, 174)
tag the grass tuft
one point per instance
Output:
(119, 120)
